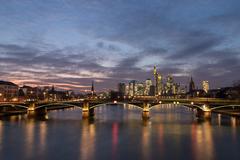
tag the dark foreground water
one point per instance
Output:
(119, 133)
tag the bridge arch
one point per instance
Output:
(183, 104)
(111, 103)
(225, 106)
(57, 104)
(192, 106)
(14, 105)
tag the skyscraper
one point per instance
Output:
(160, 84)
(205, 86)
(139, 89)
(121, 89)
(156, 79)
(148, 83)
(127, 90)
(152, 90)
(132, 88)
(176, 89)
(169, 85)
(155, 70)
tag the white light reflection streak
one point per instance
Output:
(30, 138)
(43, 135)
(202, 141)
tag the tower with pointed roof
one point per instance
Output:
(191, 86)
(92, 89)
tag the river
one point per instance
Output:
(119, 133)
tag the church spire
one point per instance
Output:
(92, 89)
(191, 86)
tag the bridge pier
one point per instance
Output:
(205, 114)
(146, 111)
(145, 115)
(91, 112)
(87, 111)
(32, 111)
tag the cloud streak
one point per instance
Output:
(70, 43)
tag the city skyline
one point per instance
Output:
(70, 43)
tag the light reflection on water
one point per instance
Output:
(118, 132)
(202, 141)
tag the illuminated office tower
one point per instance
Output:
(160, 84)
(148, 83)
(169, 85)
(205, 86)
(156, 79)
(132, 88)
(155, 70)
(127, 90)
(176, 89)
(139, 89)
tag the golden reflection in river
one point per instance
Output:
(233, 122)
(146, 131)
(219, 119)
(15, 118)
(202, 141)
(161, 139)
(88, 140)
(234, 128)
(43, 136)
(30, 138)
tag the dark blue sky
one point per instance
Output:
(70, 42)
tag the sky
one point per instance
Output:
(69, 43)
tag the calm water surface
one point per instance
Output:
(119, 133)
